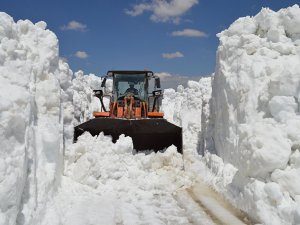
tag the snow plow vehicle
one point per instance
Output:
(134, 112)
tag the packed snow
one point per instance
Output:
(241, 135)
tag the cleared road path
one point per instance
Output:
(215, 207)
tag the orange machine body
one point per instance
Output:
(129, 109)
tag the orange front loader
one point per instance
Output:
(133, 111)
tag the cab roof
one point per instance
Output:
(128, 72)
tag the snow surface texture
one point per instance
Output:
(255, 113)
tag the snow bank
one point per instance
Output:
(249, 134)
(34, 97)
(188, 107)
(255, 112)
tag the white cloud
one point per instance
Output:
(172, 55)
(74, 25)
(138, 9)
(163, 75)
(81, 55)
(169, 80)
(163, 10)
(189, 33)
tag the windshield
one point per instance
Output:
(130, 83)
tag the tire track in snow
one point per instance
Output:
(219, 210)
(195, 213)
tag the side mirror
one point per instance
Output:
(98, 93)
(157, 82)
(103, 82)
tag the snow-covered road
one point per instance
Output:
(105, 183)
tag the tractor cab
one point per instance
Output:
(125, 85)
(130, 97)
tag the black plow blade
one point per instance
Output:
(146, 134)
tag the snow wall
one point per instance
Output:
(247, 129)
(255, 116)
(37, 116)
(32, 101)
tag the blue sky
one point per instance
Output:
(108, 34)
